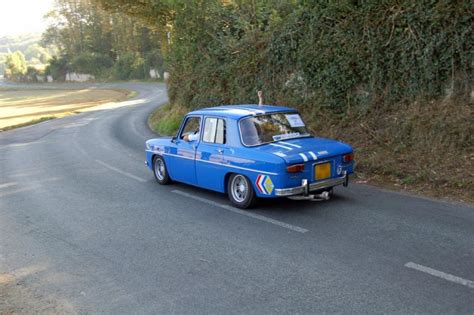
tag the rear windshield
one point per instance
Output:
(272, 127)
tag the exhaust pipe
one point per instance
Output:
(313, 197)
(322, 196)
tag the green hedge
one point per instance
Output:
(338, 54)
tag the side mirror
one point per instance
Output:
(173, 139)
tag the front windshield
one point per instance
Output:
(273, 127)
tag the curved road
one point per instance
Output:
(84, 228)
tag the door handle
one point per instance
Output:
(220, 151)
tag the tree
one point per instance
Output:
(58, 67)
(16, 66)
(102, 43)
(37, 52)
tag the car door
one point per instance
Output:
(182, 162)
(210, 169)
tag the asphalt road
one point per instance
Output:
(83, 224)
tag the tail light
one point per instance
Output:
(348, 157)
(295, 168)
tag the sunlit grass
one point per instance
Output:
(20, 107)
(166, 119)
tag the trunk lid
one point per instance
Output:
(303, 150)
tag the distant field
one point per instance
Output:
(20, 107)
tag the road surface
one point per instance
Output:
(84, 228)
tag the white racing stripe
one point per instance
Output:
(313, 155)
(440, 274)
(281, 146)
(293, 145)
(121, 172)
(242, 212)
(221, 164)
(305, 158)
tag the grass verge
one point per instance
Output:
(425, 148)
(166, 119)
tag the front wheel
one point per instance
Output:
(240, 191)
(160, 170)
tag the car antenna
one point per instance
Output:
(260, 98)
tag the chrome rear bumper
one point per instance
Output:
(306, 187)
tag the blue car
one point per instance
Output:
(250, 152)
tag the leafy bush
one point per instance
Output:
(130, 66)
(58, 67)
(92, 63)
(16, 66)
(32, 73)
(154, 60)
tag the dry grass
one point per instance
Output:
(21, 107)
(426, 148)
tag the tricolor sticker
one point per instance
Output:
(264, 184)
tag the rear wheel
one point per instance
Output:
(240, 191)
(160, 170)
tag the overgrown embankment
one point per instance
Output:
(426, 147)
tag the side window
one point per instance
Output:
(191, 127)
(220, 133)
(214, 130)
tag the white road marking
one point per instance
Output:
(242, 212)
(440, 274)
(305, 158)
(35, 184)
(110, 167)
(20, 145)
(8, 185)
(12, 192)
(313, 155)
(75, 124)
(24, 174)
(44, 180)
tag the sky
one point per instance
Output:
(23, 16)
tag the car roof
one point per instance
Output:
(239, 111)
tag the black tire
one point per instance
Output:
(240, 191)
(160, 171)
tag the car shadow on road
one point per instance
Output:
(270, 205)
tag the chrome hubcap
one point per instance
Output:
(159, 169)
(239, 188)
